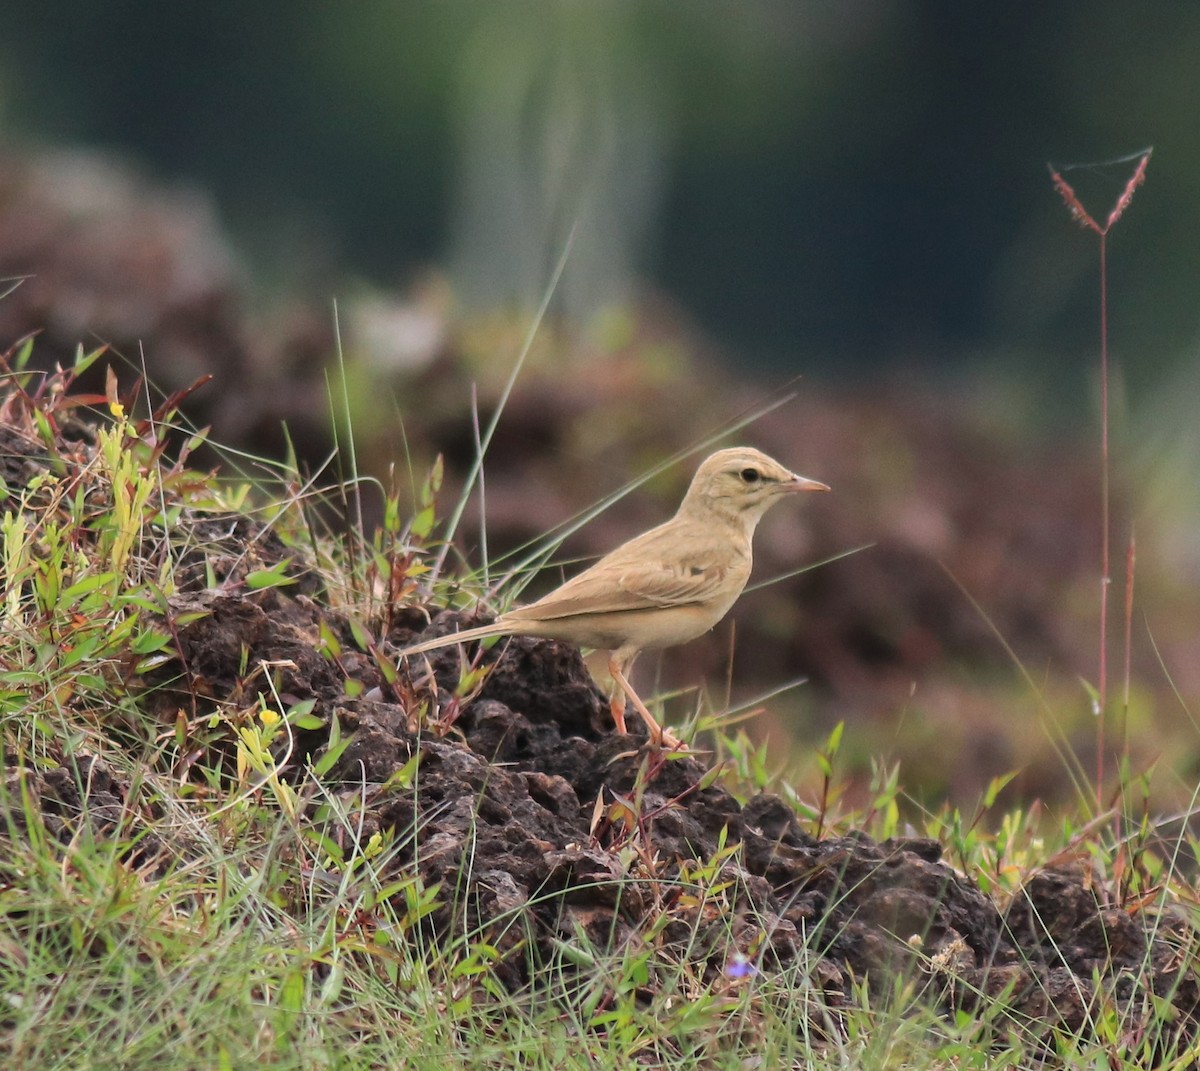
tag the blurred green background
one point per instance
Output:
(826, 187)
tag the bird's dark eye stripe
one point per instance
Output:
(750, 475)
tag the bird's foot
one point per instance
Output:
(660, 736)
(667, 739)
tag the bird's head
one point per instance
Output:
(742, 484)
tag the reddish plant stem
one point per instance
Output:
(1081, 215)
(1105, 571)
(1130, 565)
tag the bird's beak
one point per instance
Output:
(803, 483)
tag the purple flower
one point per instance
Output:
(740, 967)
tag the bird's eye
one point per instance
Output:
(750, 475)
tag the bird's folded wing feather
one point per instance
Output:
(637, 586)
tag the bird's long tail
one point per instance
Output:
(451, 638)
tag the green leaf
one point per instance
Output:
(995, 786)
(329, 757)
(391, 515)
(270, 578)
(423, 523)
(434, 482)
(84, 361)
(87, 585)
(361, 636)
(150, 641)
(23, 355)
(329, 639)
(835, 739)
(387, 669)
(291, 993)
(405, 776)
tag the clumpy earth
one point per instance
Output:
(526, 807)
(510, 792)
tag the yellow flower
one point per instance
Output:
(269, 717)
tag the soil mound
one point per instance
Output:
(534, 818)
(508, 791)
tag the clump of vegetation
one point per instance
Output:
(234, 832)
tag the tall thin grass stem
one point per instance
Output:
(1085, 219)
(1105, 569)
(1130, 566)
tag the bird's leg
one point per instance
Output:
(616, 701)
(658, 735)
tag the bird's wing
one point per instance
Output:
(650, 572)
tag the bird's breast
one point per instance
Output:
(652, 628)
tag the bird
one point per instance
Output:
(662, 588)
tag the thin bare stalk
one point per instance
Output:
(475, 428)
(1086, 220)
(1101, 701)
(1130, 565)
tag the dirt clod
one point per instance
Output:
(530, 808)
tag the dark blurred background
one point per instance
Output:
(829, 186)
(852, 192)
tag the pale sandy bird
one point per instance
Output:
(662, 588)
